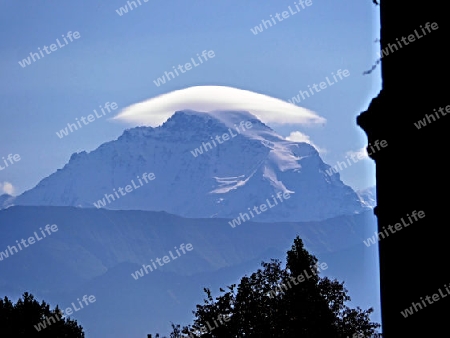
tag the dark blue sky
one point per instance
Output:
(117, 58)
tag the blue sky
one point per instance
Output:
(117, 58)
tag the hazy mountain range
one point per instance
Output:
(94, 252)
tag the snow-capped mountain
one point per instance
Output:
(219, 164)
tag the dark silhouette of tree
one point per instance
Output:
(276, 302)
(23, 318)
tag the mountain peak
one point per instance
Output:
(190, 119)
(187, 119)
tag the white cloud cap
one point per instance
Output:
(155, 111)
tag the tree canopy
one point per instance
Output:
(27, 318)
(281, 302)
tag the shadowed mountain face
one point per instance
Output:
(95, 252)
(203, 165)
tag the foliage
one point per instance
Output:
(21, 319)
(272, 302)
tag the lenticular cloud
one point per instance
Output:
(155, 111)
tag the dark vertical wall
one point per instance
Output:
(412, 171)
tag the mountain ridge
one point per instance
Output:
(95, 251)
